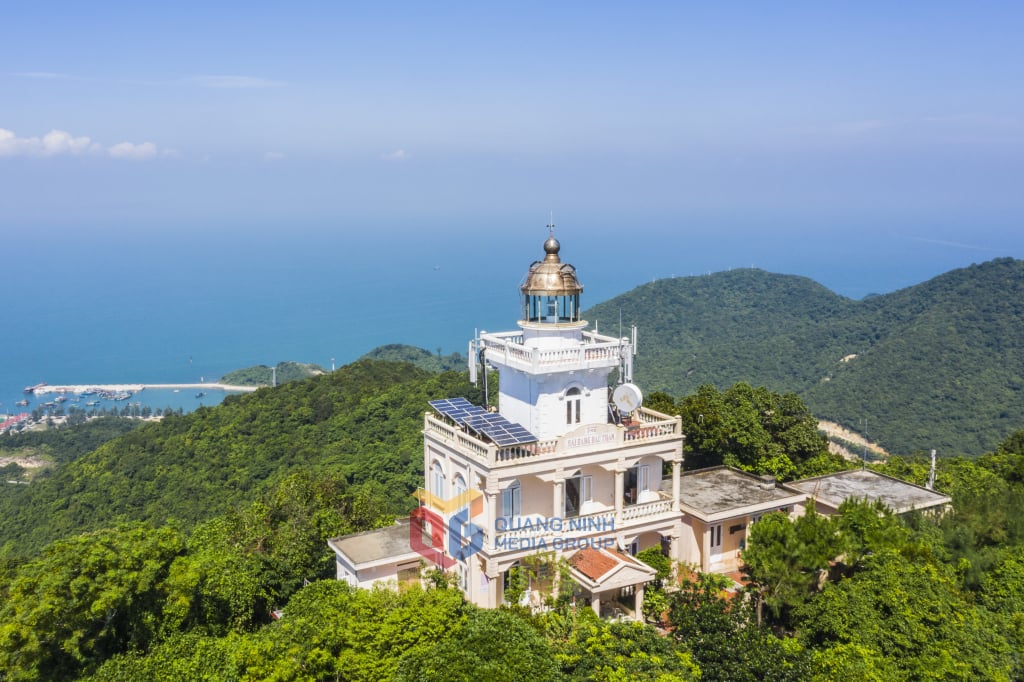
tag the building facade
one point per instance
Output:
(568, 465)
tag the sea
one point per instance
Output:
(162, 303)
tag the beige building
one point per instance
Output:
(568, 465)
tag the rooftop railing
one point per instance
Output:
(648, 426)
(597, 350)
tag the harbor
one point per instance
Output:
(131, 389)
(43, 402)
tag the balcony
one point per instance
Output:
(596, 351)
(529, 531)
(648, 426)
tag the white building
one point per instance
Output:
(570, 463)
(560, 466)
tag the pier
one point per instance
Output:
(135, 388)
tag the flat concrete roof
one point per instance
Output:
(721, 489)
(374, 546)
(900, 496)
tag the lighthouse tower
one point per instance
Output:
(553, 375)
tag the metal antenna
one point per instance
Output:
(864, 461)
(551, 224)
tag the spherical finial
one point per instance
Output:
(551, 246)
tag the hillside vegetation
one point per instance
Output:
(937, 365)
(424, 359)
(361, 423)
(261, 375)
(200, 525)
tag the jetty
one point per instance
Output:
(135, 388)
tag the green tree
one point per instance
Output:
(753, 429)
(497, 645)
(721, 634)
(783, 559)
(587, 648)
(914, 615)
(85, 599)
(330, 630)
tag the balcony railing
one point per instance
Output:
(532, 529)
(651, 427)
(597, 351)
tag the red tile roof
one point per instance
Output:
(593, 563)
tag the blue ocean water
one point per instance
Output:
(165, 304)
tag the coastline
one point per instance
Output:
(135, 388)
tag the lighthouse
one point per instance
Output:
(553, 375)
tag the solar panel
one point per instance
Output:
(457, 409)
(500, 430)
(494, 426)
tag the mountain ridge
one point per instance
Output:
(937, 364)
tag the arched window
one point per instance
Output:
(459, 484)
(437, 480)
(572, 406)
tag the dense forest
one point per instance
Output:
(937, 365)
(361, 422)
(424, 359)
(163, 553)
(261, 375)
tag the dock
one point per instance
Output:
(135, 388)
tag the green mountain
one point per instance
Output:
(261, 375)
(424, 359)
(937, 365)
(361, 423)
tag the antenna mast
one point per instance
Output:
(931, 474)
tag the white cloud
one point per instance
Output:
(397, 155)
(234, 82)
(53, 143)
(130, 150)
(63, 143)
(273, 156)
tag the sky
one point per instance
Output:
(869, 145)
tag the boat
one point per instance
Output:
(200, 394)
(32, 389)
(22, 403)
(92, 403)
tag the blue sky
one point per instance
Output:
(783, 130)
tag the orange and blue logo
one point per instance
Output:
(449, 542)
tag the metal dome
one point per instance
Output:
(551, 277)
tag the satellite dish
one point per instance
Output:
(627, 397)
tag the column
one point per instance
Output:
(557, 505)
(620, 490)
(595, 603)
(493, 596)
(491, 514)
(675, 485)
(705, 548)
(674, 547)
(638, 603)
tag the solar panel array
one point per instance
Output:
(500, 430)
(457, 409)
